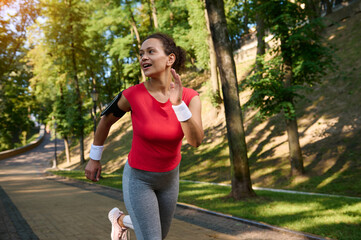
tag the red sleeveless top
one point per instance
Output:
(157, 133)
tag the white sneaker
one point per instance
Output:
(118, 232)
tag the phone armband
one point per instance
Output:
(113, 107)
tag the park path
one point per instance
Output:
(35, 205)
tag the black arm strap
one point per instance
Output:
(113, 107)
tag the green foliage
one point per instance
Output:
(239, 14)
(301, 49)
(197, 35)
(80, 45)
(270, 95)
(16, 102)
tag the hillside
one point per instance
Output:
(329, 124)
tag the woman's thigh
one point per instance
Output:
(150, 199)
(142, 206)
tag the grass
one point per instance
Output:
(29, 140)
(333, 217)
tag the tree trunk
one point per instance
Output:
(77, 88)
(213, 61)
(296, 158)
(241, 181)
(261, 44)
(314, 8)
(66, 140)
(67, 151)
(137, 36)
(154, 14)
(329, 6)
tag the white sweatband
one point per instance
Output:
(96, 152)
(182, 112)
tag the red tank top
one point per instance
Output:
(157, 133)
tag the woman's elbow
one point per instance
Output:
(196, 142)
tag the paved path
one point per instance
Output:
(34, 205)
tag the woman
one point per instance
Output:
(163, 112)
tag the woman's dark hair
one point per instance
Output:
(169, 47)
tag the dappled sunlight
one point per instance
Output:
(199, 192)
(331, 37)
(341, 27)
(316, 130)
(292, 211)
(269, 172)
(334, 176)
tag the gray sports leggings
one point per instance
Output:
(150, 199)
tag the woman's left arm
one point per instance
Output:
(192, 128)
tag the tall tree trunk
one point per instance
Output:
(213, 61)
(67, 152)
(329, 4)
(77, 89)
(66, 140)
(314, 8)
(261, 44)
(241, 181)
(154, 14)
(296, 158)
(137, 36)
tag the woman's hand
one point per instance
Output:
(93, 170)
(175, 89)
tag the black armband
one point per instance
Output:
(113, 107)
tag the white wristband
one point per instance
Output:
(96, 152)
(182, 112)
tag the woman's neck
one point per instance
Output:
(160, 84)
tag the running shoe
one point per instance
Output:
(118, 232)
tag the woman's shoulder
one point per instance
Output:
(134, 88)
(188, 94)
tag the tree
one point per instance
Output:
(241, 182)
(239, 15)
(154, 14)
(213, 62)
(297, 62)
(261, 44)
(197, 34)
(64, 32)
(329, 6)
(16, 102)
(123, 25)
(314, 7)
(48, 87)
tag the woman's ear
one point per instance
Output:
(171, 59)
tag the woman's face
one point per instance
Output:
(153, 59)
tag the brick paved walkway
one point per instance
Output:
(34, 205)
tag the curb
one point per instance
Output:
(278, 190)
(254, 223)
(17, 151)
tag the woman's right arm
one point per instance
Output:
(93, 168)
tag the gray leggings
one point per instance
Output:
(150, 199)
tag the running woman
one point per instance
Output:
(162, 112)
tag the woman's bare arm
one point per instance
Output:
(193, 128)
(93, 168)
